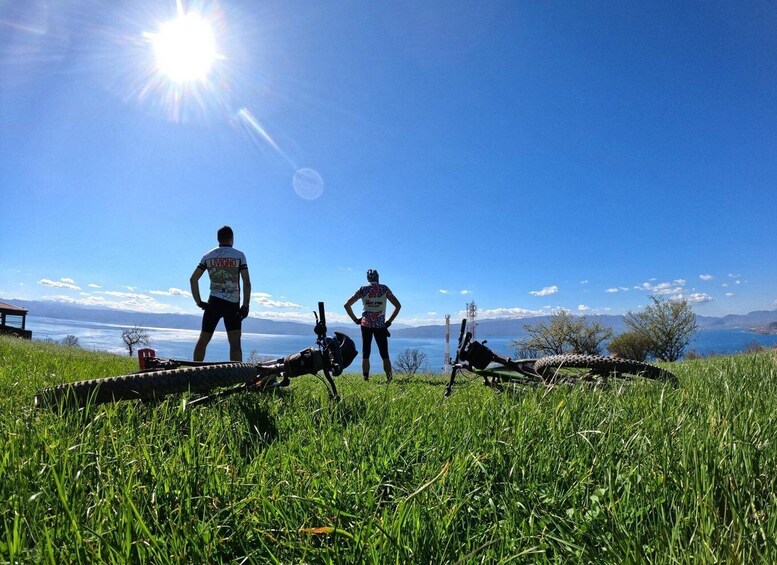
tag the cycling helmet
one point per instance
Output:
(372, 275)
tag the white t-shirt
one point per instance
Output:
(374, 296)
(224, 264)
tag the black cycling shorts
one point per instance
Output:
(381, 338)
(219, 308)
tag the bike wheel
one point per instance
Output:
(148, 385)
(552, 366)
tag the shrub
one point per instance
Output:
(70, 340)
(668, 325)
(410, 361)
(564, 333)
(630, 345)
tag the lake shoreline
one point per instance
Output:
(179, 343)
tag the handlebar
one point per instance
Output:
(320, 328)
(474, 355)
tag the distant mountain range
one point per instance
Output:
(514, 328)
(61, 310)
(494, 328)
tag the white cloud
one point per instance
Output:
(735, 278)
(729, 294)
(662, 288)
(545, 291)
(583, 308)
(265, 300)
(430, 319)
(504, 313)
(67, 280)
(172, 292)
(92, 285)
(584, 282)
(302, 317)
(61, 283)
(694, 298)
(128, 302)
(446, 291)
(127, 295)
(706, 277)
(624, 288)
(679, 282)
(611, 290)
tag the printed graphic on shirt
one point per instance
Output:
(224, 265)
(374, 296)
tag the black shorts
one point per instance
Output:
(381, 338)
(219, 308)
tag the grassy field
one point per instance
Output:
(394, 473)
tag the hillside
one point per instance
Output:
(394, 472)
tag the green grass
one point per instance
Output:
(393, 473)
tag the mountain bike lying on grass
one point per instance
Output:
(569, 369)
(161, 376)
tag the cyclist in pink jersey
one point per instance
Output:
(226, 268)
(373, 321)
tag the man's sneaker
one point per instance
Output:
(366, 377)
(388, 378)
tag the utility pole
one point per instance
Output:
(472, 313)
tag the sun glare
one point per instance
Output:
(185, 48)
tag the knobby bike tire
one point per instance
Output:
(547, 366)
(148, 385)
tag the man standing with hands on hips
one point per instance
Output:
(373, 321)
(226, 267)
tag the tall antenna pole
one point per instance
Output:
(472, 312)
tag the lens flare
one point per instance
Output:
(308, 184)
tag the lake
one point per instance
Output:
(179, 344)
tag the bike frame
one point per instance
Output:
(275, 373)
(475, 357)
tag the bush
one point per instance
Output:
(754, 347)
(134, 336)
(410, 361)
(563, 333)
(693, 355)
(668, 325)
(255, 357)
(70, 340)
(630, 345)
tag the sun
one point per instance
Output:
(185, 48)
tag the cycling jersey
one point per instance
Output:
(224, 264)
(374, 296)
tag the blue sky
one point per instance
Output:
(529, 156)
